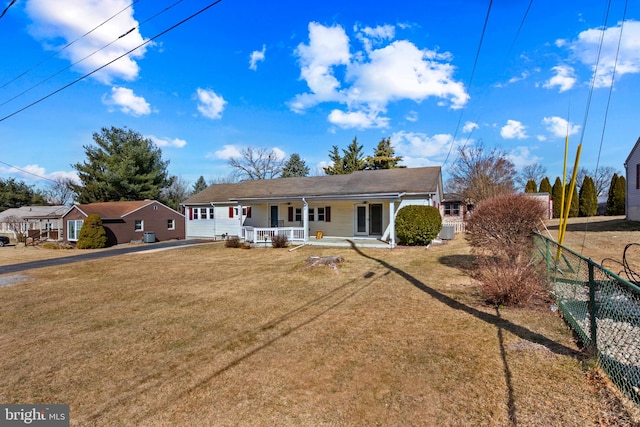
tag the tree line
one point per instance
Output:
(123, 165)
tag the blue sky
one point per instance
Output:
(300, 77)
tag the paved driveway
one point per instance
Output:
(90, 255)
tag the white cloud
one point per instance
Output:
(227, 152)
(374, 36)
(585, 49)
(421, 149)
(559, 127)
(56, 23)
(167, 142)
(211, 105)
(521, 156)
(127, 102)
(257, 56)
(470, 127)
(513, 130)
(374, 78)
(564, 78)
(37, 173)
(357, 119)
(412, 116)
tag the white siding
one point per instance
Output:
(633, 193)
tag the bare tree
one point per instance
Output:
(534, 171)
(60, 191)
(175, 193)
(602, 178)
(257, 163)
(479, 174)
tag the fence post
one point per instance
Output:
(592, 308)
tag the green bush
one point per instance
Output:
(418, 225)
(92, 234)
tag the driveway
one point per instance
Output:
(91, 255)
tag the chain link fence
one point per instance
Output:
(602, 308)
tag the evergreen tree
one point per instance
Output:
(295, 166)
(337, 163)
(14, 194)
(92, 234)
(531, 187)
(199, 185)
(574, 209)
(384, 156)
(617, 194)
(123, 166)
(354, 157)
(545, 186)
(588, 198)
(556, 196)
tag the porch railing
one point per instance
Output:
(265, 234)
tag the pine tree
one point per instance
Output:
(545, 186)
(384, 156)
(92, 234)
(531, 187)
(295, 166)
(556, 196)
(574, 209)
(200, 185)
(353, 157)
(588, 198)
(617, 194)
(337, 163)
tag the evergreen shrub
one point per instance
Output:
(418, 225)
(92, 233)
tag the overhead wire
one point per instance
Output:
(65, 46)
(7, 8)
(90, 54)
(112, 61)
(473, 71)
(27, 172)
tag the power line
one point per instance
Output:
(473, 71)
(7, 8)
(112, 61)
(91, 54)
(65, 46)
(27, 172)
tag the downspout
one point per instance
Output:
(214, 220)
(305, 220)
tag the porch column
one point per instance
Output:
(240, 235)
(305, 220)
(392, 223)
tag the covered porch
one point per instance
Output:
(295, 235)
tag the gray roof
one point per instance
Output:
(34, 212)
(386, 182)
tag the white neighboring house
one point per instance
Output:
(632, 196)
(45, 222)
(359, 205)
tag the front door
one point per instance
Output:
(368, 220)
(274, 216)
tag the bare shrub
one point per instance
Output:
(232, 242)
(500, 234)
(280, 241)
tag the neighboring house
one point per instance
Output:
(545, 200)
(454, 210)
(358, 205)
(125, 222)
(41, 222)
(632, 168)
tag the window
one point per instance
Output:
(195, 213)
(138, 225)
(73, 229)
(298, 214)
(324, 214)
(211, 213)
(171, 224)
(311, 214)
(452, 209)
(320, 214)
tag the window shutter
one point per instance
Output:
(290, 213)
(190, 213)
(248, 211)
(230, 211)
(327, 214)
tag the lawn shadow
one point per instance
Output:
(463, 262)
(597, 224)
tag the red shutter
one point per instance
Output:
(230, 211)
(248, 211)
(327, 214)
(290, 213)
(190, 213)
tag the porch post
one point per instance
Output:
(305, 220)
(240, 235)
(392, 223)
